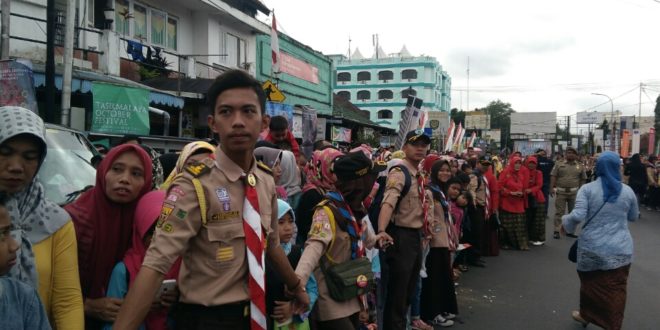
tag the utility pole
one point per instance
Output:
(640, 103)
(68, 61)
(50, 60)
(568, 128)
(4, 29)
(468, 84)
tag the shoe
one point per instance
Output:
(538, 243)
(441, 321)
(448, 316)
(423, 273)
(571, 235)
(420, 325)
(578, 318)
(556, 235)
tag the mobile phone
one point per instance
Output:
(166, 286)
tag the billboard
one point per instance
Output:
(585, 117)
(494, 135)
(438, 122)
(533, 123)
(477, 120)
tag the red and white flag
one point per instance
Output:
(450, 136)
(274, 46)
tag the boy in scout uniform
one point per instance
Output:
(221, 217)
(565, 179)
(405, 225)
(340, 232)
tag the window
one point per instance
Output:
(385, 114)
(344, 95)
(364, 76)
(139, 22)
(409, 74)
(363, 95)
(235, 50)
(344, 76)
(408, 92)
(385, 94)
(121, 14)
(172, 32)
(158, 20)
(385, 75)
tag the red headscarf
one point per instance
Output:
(103, 227)
(146, 214)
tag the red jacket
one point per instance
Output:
(512, 181)
(289, 136)
(534, 181)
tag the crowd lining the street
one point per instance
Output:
(252, 234)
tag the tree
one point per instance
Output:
(458, 116)
(500, 117)
(657, 115)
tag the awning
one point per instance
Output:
(82, 82)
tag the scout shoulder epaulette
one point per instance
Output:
(264, 167)
(198, 169)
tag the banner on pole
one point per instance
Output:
(410, 119)
(120, 110)
(625, 143)
(636, 135)
(17, 85)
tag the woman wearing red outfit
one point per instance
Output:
(512, 203)
(535, 203)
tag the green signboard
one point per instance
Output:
(120, 110)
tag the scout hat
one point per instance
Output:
(571, 149)
(417, 135)
(355, 165)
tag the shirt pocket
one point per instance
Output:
(227, 242)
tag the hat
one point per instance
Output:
(417, 135)
(569, 148)
(539, 150)
(486, 160)
(355, 165)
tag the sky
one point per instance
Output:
(535, 55)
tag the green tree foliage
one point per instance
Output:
(605, 126)
(500, 117)
(458, 116)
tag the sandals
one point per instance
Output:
(578, 318)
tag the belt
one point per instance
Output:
(567, 189)
(228, 310)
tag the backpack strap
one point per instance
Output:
(406, 184)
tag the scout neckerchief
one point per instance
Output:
(487, 190)
(254, 243)
(425, 205)
(354, 229)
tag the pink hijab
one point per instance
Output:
(319, 170)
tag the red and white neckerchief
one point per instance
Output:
(425, 205)
(254, 243)
(487, 190)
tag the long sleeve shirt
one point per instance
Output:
(605, 242)
(20, 307)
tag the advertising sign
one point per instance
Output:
(533, 123)
(493, 135)
(280, 109)
(299, 69)
(477, 120)
(438, 121)
(17, 85)
(585, 117)
(120, 110)
(341, 134)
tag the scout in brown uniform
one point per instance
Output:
(355, 173)
(208, 231)
(565, 179)
(403, 260)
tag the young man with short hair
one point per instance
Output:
(221, 217)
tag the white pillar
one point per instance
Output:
(110, 60)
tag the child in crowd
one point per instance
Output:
(20, 307)
(146, 215)
(279, 307)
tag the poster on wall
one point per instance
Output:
(280, 109)
(187, 129)
(297, 126)
(341, 134)
(309, 124)
(320, 129)
(120, 110)
(17, 85)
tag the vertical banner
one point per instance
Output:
(635, 141)
(309, 131)
(17, 85)
(625, 143)
(120, 110)
(450, 136)
(409, 120)
(651, 140)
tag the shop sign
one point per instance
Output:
(120, 110)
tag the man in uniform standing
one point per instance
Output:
(565, 179)
(221, 216)
(404, 219)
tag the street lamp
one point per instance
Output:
(612, 139)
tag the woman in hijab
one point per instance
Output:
(320, 180)
(535, 212)
(103, 218)
(146, 214)
(605, 247)
(272, 157)
(192, 152)
(47, 258)
(290, 178)
(637, 178)
(512, 183)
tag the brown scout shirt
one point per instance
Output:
(439, 239)
(410, 213)
(317, 244)
(214, 270)
(568, 175)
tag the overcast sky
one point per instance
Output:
(536, 55)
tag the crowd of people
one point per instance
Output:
(252, 234)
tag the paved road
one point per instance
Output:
(538, 289)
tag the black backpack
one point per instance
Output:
(374, 208)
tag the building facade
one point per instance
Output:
(380, 85)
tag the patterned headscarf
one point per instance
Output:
(156, 167)
(34, 218)
(190, 149)
(319, 170)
